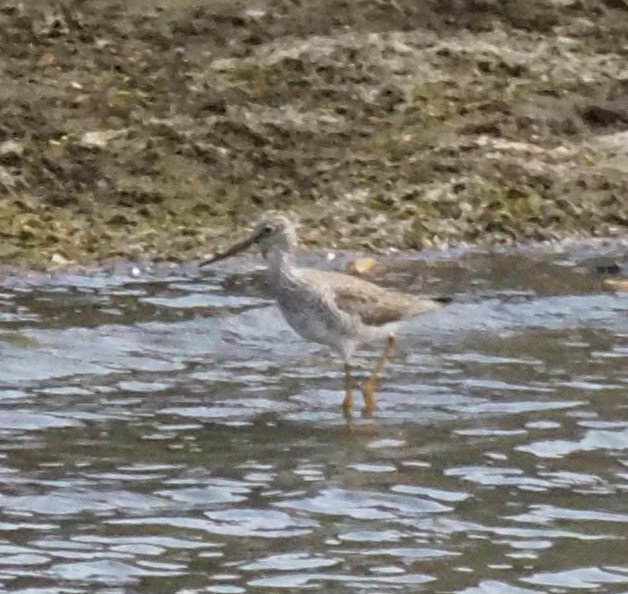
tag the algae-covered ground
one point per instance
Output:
(154, 128)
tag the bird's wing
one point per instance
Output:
(374, 305)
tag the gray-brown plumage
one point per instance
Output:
(329, 307)
(374, 305)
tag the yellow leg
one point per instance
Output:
(370, 383)
(347, 403)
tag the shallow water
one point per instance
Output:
(162, 430)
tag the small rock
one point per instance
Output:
(612, 268)
(101, 43)
(605, 114)
(616, 284)
(224, 64)
(361, 266)
(255, 14)
(58, 260)
(99, 138)
(6, 179)
(11, 150)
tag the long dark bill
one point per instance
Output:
(234, 249)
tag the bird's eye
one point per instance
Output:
(267, 230)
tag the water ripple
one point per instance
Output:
(163, 430)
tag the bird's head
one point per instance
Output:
(273, 232)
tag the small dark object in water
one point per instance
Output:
(612, 269)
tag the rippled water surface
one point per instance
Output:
(163, 430)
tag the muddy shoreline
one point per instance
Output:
(152, 129)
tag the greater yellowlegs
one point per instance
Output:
(327, 307)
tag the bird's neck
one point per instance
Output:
(280, 264)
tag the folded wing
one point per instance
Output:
(374, 305)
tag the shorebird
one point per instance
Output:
(330, 308)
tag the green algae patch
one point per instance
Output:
(18, 339)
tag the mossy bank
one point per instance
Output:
(152, 128)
